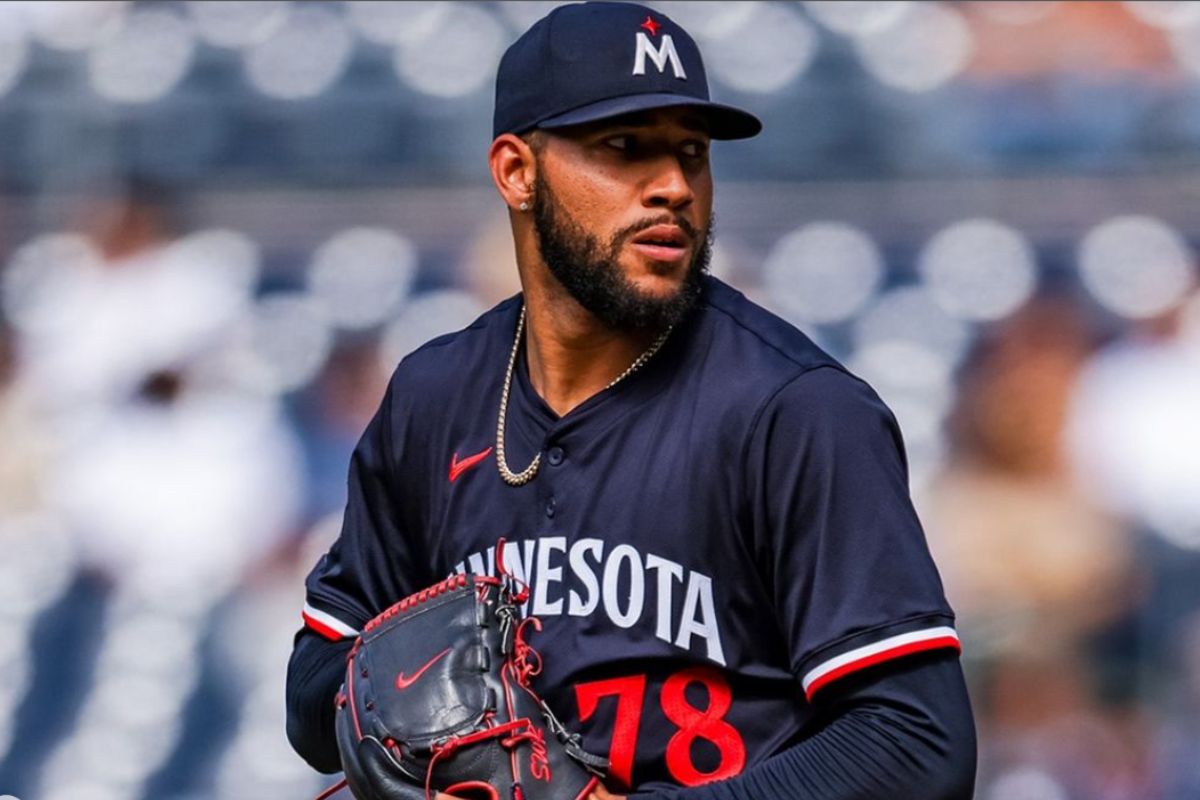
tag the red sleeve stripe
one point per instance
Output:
(868, 655)
(327, 625)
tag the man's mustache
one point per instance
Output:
(688, 228)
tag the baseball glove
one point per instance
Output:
(438, 697)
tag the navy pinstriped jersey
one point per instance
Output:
(709, 543)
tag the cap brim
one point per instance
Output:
(725, 122)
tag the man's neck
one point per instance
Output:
(572, 355)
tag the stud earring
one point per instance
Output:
(524, 206)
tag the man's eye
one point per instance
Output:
(624, 143)
(694, 149)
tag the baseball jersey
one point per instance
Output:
(708, 543)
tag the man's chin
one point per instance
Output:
(655, 276)
(660, 301)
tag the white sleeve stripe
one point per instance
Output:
(874, 649)
(329, 621)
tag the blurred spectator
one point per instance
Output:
(27, 446)
(173, 495)
(332, 413)
(1180, 738)
(1135, 430)
(1029, 564)
(177, 490)
(1033, 570)
(257, 761)
(141, 382)
(100, 314)
(170, 478)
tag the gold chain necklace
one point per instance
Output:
(527, 474)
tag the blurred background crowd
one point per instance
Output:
(222, 224)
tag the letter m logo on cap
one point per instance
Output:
(660, 55)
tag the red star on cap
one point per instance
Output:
(651, 26)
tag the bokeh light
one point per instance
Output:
(910, 314)
(1185, 45)
(1136, 266)
(1026, 783)
(767, 50)
(14, 53)
(120, 759)
(895, 366)
(1146, 462)
(856, 17)
(457, 59)
(1171, 14)
(921, 50)
(426, 317)
(1006, 12)
(362, 275)
(399, 23)
(75, 789)
(71, 25)
(174, 648)
(158, 696)
(705, 21)
(218, 269)
(282, 343)
(916, 383)
(238, 23)
(230, 257)
(150, 53)
(303, 56)
(39, 560)
(823, 272)
(41, 269)
(979, 269)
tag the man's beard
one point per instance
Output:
(592, 275)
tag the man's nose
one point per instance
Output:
(668, 185)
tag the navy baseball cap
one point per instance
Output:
(589, 61)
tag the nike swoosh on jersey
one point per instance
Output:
(459, 467)
(403, 683)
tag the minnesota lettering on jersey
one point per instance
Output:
(586, 578)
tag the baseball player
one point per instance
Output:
(711, 513)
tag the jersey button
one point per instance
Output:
(555, 456)
(550, 505)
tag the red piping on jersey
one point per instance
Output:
(878, 658)
(321, 628)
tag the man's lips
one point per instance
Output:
(662, 242)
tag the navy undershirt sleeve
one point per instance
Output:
(315, 672)
(904, 730)
(372, 564)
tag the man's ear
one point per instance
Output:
(514, 170)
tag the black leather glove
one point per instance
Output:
(438, 697)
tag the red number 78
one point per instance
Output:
(692, 723)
